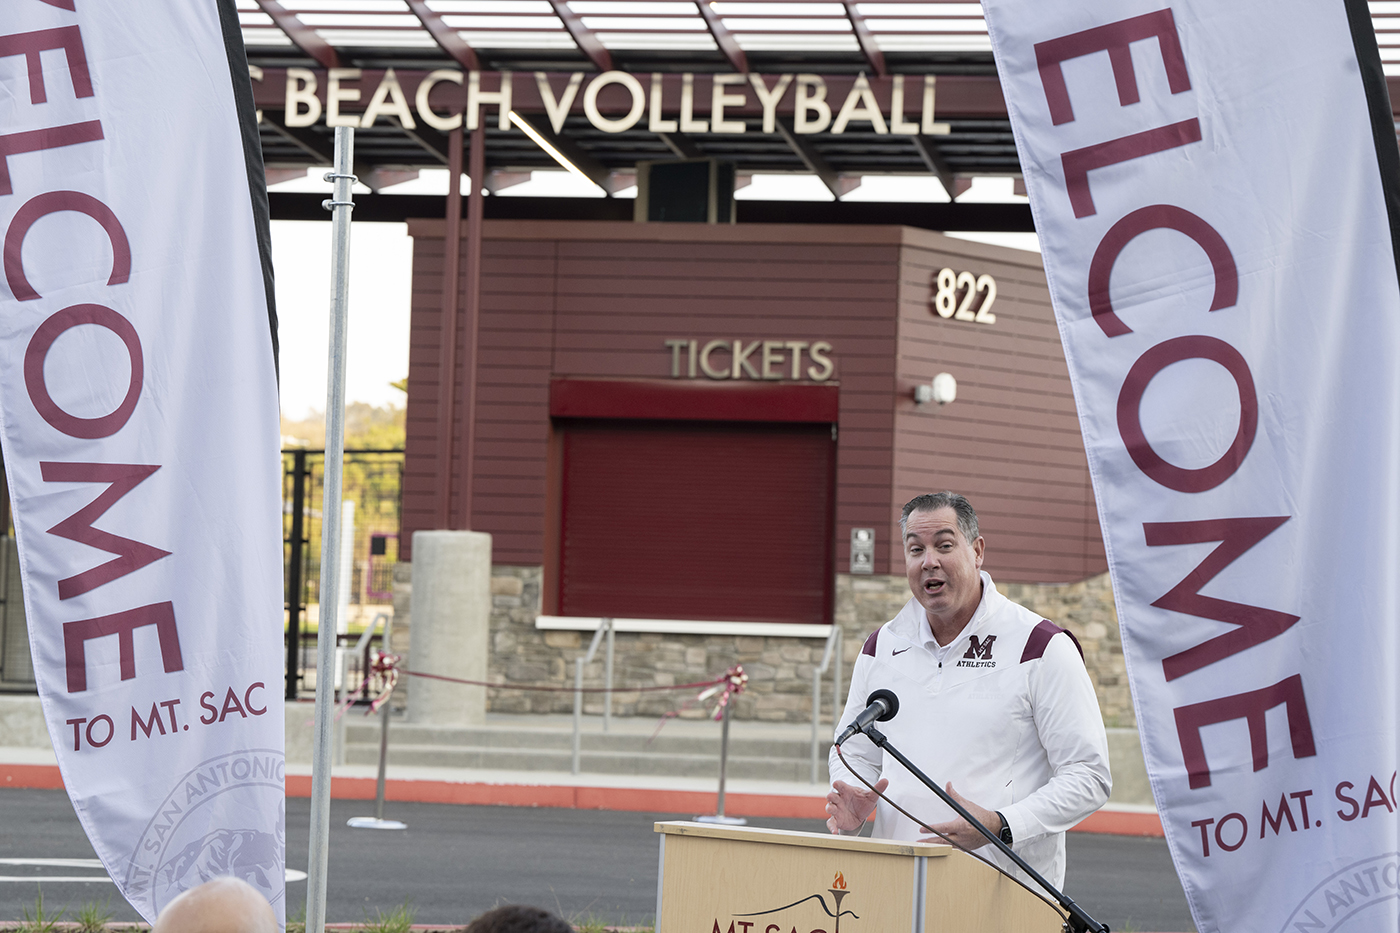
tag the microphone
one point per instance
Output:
(880, 706)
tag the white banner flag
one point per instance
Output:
(1214, 185)
(138, 406)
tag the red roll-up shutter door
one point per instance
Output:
(697, 520)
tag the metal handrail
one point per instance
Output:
(369, 632)
(361, 650)
(604, 626)
(833, 650)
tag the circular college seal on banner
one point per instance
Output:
(227, 816)
(1344, 901)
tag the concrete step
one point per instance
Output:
(683, 748)
(503, 738)
(747, 767)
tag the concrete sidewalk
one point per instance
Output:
(31, 767)
(27, 760)
(1126, 815)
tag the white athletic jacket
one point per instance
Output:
(1010, 718)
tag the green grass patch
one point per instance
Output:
(398, 920)
(93, 917)
(40, 921)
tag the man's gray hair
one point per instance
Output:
(932, 502)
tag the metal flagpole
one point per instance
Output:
(340, 205)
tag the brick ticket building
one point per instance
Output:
(685, 423)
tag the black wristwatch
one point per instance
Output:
(1005, 829)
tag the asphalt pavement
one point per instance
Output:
(453, 862)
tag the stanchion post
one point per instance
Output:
(340, 205)
(383, 760)
(719, 816)
(384, 648)
(723, 759)
(377, 821)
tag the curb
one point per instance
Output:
(572, 797)
(43, 777)
(1122, 823)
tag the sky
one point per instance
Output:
(381, 260)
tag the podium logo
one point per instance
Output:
(838, 891)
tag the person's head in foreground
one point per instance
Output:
(517, 918)
(223, 905)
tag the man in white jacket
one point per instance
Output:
(994, 701)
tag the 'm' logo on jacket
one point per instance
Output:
(979, 653)
(980, 650)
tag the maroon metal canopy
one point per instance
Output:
(733, 34)
(837, 40)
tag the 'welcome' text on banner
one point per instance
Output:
(138, 413)
(1217, 219)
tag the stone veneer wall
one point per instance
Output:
(779, 669)
(1086, 609)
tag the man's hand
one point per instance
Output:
(848, 807)
(960, 830)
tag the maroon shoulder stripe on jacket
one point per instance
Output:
(869, 647)
(1040, 637)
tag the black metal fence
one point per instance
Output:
(373, 480)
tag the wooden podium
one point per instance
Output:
(742, 880)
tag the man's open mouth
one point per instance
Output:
(933, 586)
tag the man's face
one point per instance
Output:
(943, 568)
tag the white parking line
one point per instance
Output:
(55, 863)
(292, 875)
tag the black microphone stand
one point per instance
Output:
(1079, 921)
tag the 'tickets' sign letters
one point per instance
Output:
(772, 360)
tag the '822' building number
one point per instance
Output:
(958, 292)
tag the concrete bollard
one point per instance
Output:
(450, 631)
